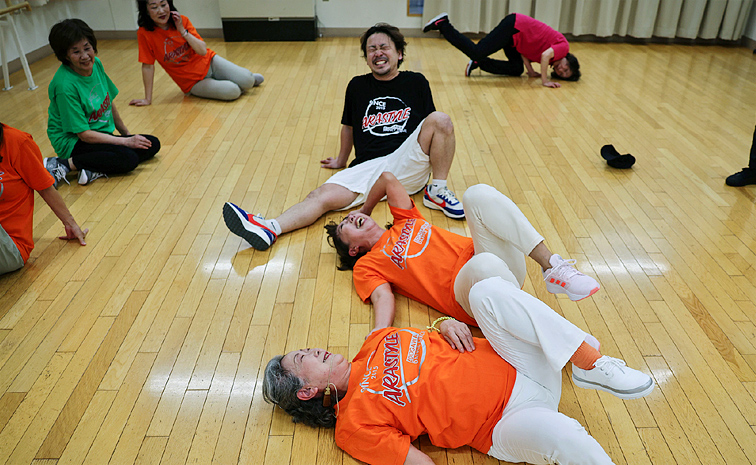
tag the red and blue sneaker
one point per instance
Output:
(433, 24)
(441, 198)
(252, 228)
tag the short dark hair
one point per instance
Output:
(346, 261)
(64, 34)
(1, 139)
(144, 20)
(280, 387)
(574, 67)
(394, 34)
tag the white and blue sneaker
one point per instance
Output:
(57, 170)
(615, 377)
(441, 198)
(252, 228)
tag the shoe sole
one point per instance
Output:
(433, 206)
(573, 297)
(429, 25)
(581, 383)
(232, 218)
(468, 71)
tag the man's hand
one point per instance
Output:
(458, 335)
(332, 163)
(532, 73)
(552, 84)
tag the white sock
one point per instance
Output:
(437, 184)
(274, 226)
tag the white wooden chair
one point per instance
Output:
(6, 19)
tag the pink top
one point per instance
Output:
(536, 37)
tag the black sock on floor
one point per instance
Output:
(615, 160)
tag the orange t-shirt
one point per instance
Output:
(21, 173)
(407, 382)
(419, 260)
(174, 54)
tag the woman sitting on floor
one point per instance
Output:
(83, 115)
(170, 38)
(21, 173)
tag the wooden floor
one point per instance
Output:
(147, 345)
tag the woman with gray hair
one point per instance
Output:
(499, 395)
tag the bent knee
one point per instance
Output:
(330, 196)
(440, 122)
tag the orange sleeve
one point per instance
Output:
(145, 52)
(376, 445)
(30, 165)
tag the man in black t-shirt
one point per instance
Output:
(390, 120)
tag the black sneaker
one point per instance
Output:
(743, 178)
(433, 24)
(471, 65)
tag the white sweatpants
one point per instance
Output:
(525, 332)
(538, 342)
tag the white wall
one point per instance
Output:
(101, 15)
(364, 13)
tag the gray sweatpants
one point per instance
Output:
(224, 81)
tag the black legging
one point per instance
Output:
(111, 159)
(500, 38)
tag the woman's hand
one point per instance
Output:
(74, 232)
(551, 84)
(176, 17)
(140, 102)
(457, 334)
(137, 142)
(533, 73)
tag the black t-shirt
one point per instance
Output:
(383, 114)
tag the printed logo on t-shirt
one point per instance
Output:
(411, 243)
(104, 108)
(395, 366)
(386, 116)
(175, 54)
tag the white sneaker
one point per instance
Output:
(252, 228)
(87, 176)
(613, 376)
(441, 198)
(258, 79)
(563, 278)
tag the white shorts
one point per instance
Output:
(408, 163)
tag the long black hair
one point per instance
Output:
(144, 19)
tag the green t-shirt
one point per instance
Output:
(79, 103)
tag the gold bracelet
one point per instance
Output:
(438, 320)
